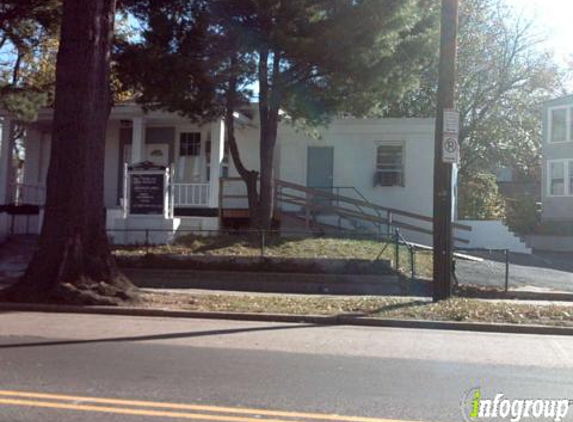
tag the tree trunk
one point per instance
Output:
(269, 116)
(250, 177)
(265, 210)
(73, 262)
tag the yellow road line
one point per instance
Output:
(192, 407)
(134, 412)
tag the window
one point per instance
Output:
(561, 124)
(389, 166)
(190, 144)
(557, 178)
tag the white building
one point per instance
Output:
(380, 171)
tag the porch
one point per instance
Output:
(195, 155)
(185, 195)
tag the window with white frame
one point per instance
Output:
(190, 144)
(560, 178)
(389, 165)
(560, 124)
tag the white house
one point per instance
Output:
(386, 163)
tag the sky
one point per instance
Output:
(555, 19)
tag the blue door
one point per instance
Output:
(320, 167)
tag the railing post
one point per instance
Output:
(307, 216)
(389, 221)
(506, 270)
(397, 249)
(262, 243)
(146, 241)
(413, 262)
(221, 187)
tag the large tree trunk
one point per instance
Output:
(250, 177)
(265, 210)
(73, 263)
(269, 116)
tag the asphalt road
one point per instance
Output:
(60, 368)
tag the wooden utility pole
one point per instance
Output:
(443, 170)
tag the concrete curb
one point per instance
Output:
(344, 319)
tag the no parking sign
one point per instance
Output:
(450, 144)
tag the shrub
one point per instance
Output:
(479, 198)
(521, 214)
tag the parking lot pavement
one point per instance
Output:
(538, 271)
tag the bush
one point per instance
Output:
(521, 214)
(479, 198)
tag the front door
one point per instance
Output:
(319, 170)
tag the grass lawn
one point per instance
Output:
(458, 309)
(290, 247)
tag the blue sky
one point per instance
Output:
(553, 18)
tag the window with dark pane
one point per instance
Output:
(190, 144)
(389, 166)
(559, 125)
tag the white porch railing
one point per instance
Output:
(22, 193)
(191, 194)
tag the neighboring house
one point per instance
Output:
(557, 186)
(388, 162)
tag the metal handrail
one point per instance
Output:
(355, 190)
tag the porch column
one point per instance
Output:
(217, 153)
(138, 140)
(5, 160)
(5, 168)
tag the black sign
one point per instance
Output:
(147, 194)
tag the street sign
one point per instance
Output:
(450, 150)
(450, 143)
(451, 122)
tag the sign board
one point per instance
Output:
(451, 122)
(147, 194)
(450, 143)
(450, 150)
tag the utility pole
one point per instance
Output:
(442, 169)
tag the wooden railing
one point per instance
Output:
(191, 194)
(312, 202)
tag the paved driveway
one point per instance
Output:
(539, 271)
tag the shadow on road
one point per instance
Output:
(169, 336)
